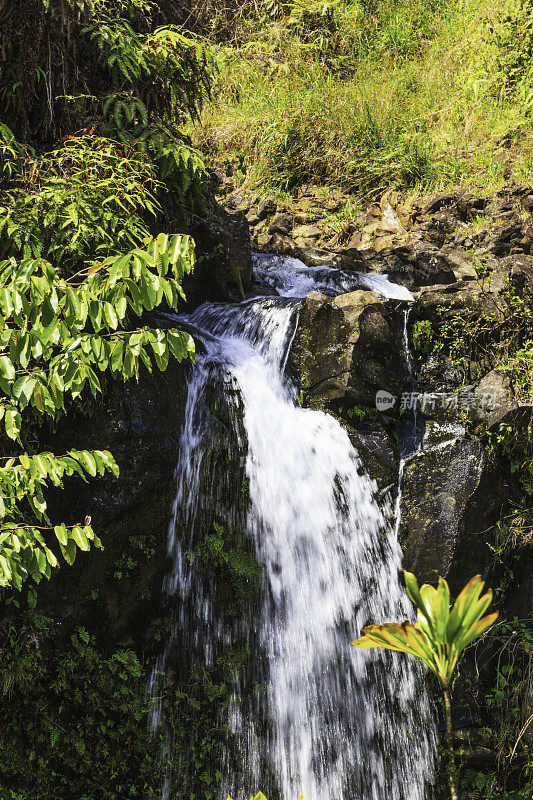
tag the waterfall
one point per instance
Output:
(310, 714)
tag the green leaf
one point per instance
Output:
(110, 316)
(69, 551)
(7, 370)
(78, 534)
(88, 461)
(12, 423)
(61, 533)
(23, 390)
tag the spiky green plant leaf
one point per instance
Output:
(441, 633)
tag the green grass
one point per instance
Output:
(420, 94)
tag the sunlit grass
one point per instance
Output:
(415, 106)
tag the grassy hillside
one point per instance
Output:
(372, 94)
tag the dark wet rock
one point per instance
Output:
(140, 423)
(439, 201)
(449, 500)
(520, 421)
(378, 454)
(224, 259)
(477, 751)
(493, 398)
(415, 265)
(315, 257)
(266, 208)
(462, 263)
(502, 239)
(456, 296)
(527, 202)
(351, 260)
(515, 272)
(262, 289)
(281, 244)
(344, 348)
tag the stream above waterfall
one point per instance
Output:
(292, 278)
(309, 714)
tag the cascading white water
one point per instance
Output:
(293, 278)
(327, 720)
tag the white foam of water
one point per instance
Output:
(292, 278)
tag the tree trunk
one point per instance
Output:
(449, 743)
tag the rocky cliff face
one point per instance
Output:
(346, 349)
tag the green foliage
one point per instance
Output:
(517, 445)
(441, 633)
(501, 686)
(490, 333)
(226, 553)
(513, 35)
(297, 87)
(49, 355)
(520, 366)
(439, 637)
(75, 724)
(422, 337)
(133, 81)
(86, 200)
(23, 548)
(176, 62)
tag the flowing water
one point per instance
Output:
(292, 278)
(310, 714)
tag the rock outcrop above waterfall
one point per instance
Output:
(344, 348)
(416, 241)
(223, 270)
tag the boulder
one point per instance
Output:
(344, 347)
(315, 257)
(224, 259)
(493, 398)
(266, 208)
(505, 238)
(282, 224)
(307, 232)
(414, 265)
(351, 260)
(438, 202)
(450, 497)
(378, 454)
(514, 272)
(462, 263)
(454, 296)
(278, 243)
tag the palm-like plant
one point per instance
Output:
(439, 637)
